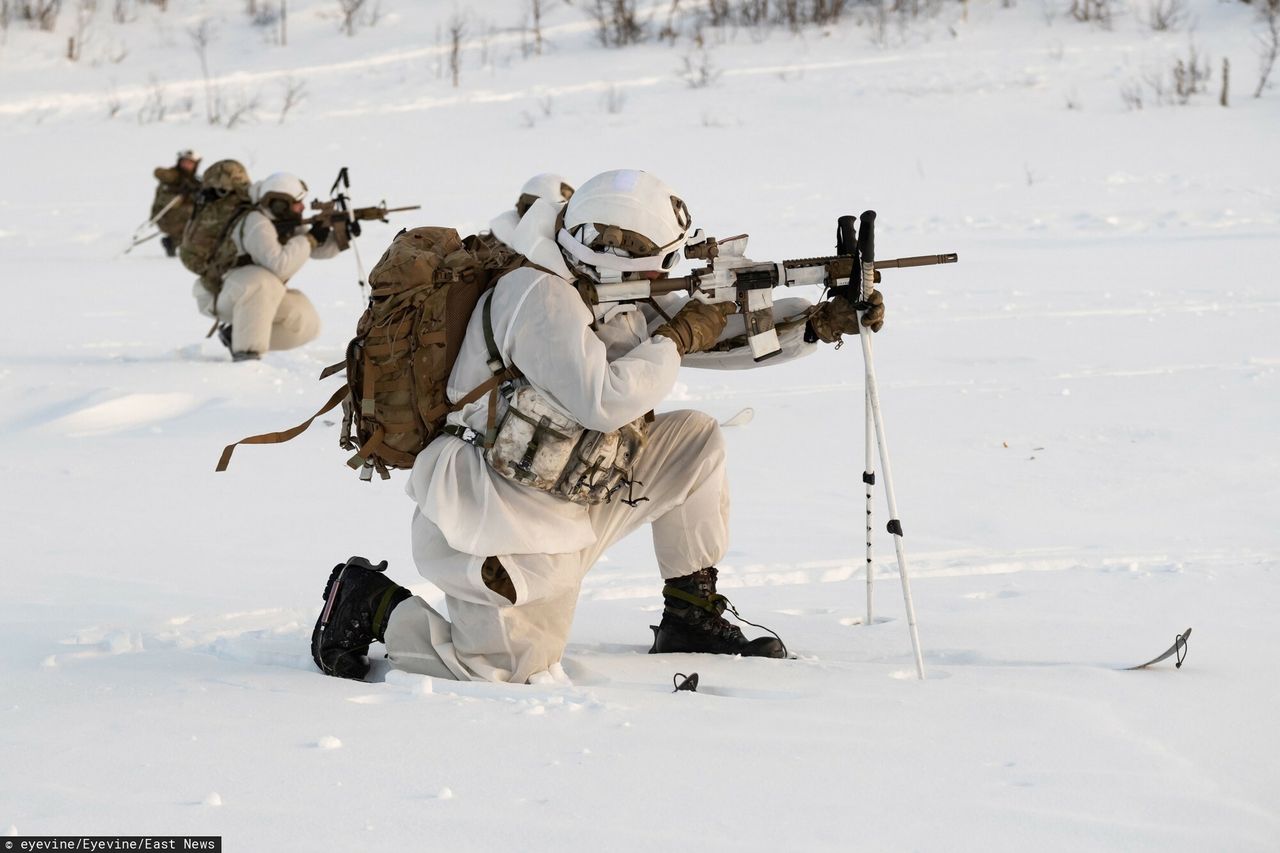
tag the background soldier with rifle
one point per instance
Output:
(174, 200)
(255, 309)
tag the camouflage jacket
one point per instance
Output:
(174, 183)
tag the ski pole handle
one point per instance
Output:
(867, 237)
(867, 251)
(846, 244)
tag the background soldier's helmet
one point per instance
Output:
(189, 154)
(226, 176)
(548, 185)
(624, 221)
(278, 193)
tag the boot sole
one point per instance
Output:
(331, 589)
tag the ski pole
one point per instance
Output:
(847, 247)
(139, 241)
(153, 220)
(869, 481)
(866, 249)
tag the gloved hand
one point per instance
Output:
(837, 317)
(320, 232)
(697, 325)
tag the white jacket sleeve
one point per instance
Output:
(550, 339)
(258, 239)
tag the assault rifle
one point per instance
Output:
(345, 220)
(730, 276)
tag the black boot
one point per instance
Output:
(170, 247)
(692, 622)
(358, 600)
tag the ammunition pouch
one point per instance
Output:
(538, 445)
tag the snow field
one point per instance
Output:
(1081, 414)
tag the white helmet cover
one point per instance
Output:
(279, 185)
(631, 201)
(548, 185)
(554, 188)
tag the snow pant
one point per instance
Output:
(682, 468)
(264, 314)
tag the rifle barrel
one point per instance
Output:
(919, 261)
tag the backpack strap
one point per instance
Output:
(286, 435)
(497, 368)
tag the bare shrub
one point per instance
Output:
(457, 30)
(123, 12)
(238, 108)
(486, 31)
(153, 107)
(85, 12)
(670, 30)
(1163, 15)
(1172, 85)
(264, 15)
(295, 92)
(1131, 94)
(618, 22)
(877, 20)
(535, 15)
(349, 10)
(1098, 12)
(1268, 43)
(41, 14)
(202, 35)
(613, 100)
(699, 72)
(753, 13)
(353, 14)
(1190, 76)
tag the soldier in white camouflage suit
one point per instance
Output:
(510, 557)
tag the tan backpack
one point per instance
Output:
(423, 291)
(207, 248)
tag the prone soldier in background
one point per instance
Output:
(175, 198)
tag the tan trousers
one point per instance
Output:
(263, 313)
(682, 469)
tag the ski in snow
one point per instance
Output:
(740, 419)
(1179, 648)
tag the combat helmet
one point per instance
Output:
(226, 176)
(623, 222)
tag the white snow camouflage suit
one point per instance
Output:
(466, 512)
(263, 312)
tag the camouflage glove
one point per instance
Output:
(697, 326)
(837, 317)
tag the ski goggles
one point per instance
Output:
(663, 259)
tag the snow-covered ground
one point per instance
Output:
(1082, 415)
